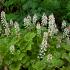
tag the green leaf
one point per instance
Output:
(11, 16)
(40, 65)
(29, 36)
(56, 62)
(8, 3)
(15, 66)
(66, 46)
(66, 56)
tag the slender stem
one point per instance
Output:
(5, 67)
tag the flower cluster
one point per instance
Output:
(11, 23)
(3, 18)
(44, 19)
(38, 27)
(63, 24)
(17, 29)
(7, 31)
(52, 29)
(43, 46)
(34, 19)
(7, 26)
(65, 29)
(27, 21)
(49, 57)
(4, 23)
(65, 33)
(12, 49)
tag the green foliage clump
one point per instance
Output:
(26, 48)
(17, 9)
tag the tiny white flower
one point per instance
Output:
(12, 49)
(16, 26)
(44, 19)
(4, 23)
(38, 26)
(49, 57)
(45, 35)
(58, 45)
(52, 28)
(7, 31)
(11, 23)
(27, 21)
(34, 19)
(43, 46)
(66, 32)
(29, 17)
(3, 15)
(3, 18)
(51, 17)
(63, 24)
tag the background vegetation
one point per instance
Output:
(24, 40)
(17, 9)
